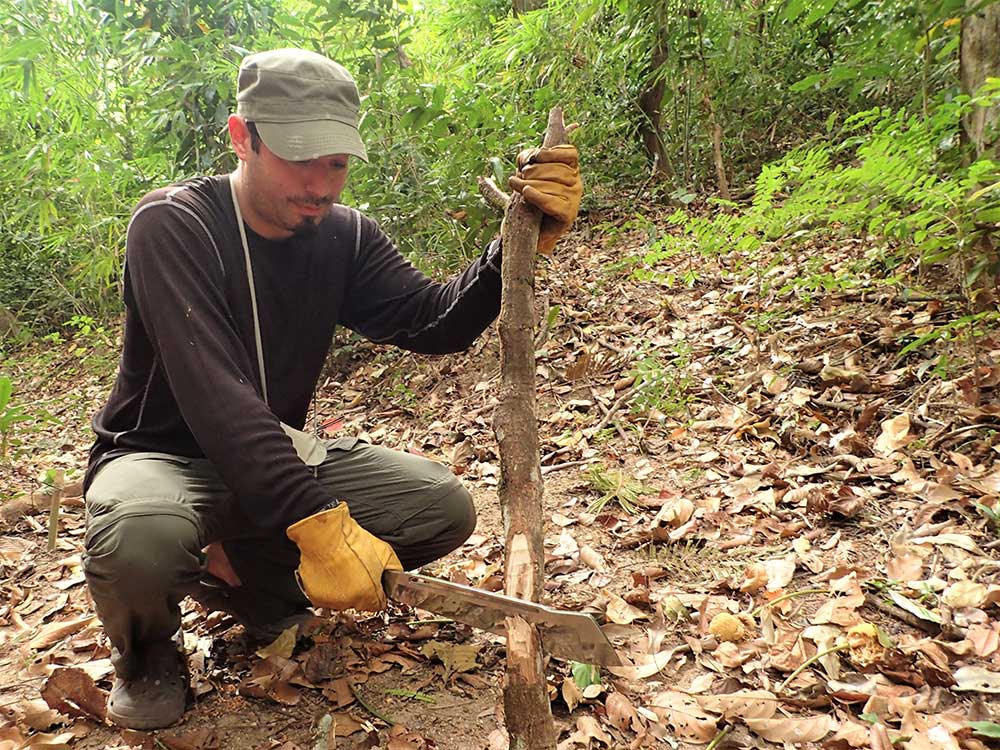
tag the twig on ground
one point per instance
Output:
(948, 630)
(559, 467)
(431, 621)
(935, 440)
(858, 408)
(717, 740)
(902, 615)
(56, 496)
(745, 423)
(808, 663)
(369, 708)
(616, 424)
(557, 452)
(610, 413)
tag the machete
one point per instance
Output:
(568, 635)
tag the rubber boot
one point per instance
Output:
(153, 693)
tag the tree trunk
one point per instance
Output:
(8, 323)
(650, 101)
(527, 710)
(715, 131)
(525, 6)
(980, 59)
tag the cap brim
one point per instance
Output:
(301, 141)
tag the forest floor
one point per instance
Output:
(787, 525)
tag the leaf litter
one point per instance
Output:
(788, 530)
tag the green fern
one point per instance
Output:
(889, 174)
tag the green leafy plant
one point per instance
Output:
(585, 675)
(991, 514)
(661, 384)
(988, 729)
(10, 414)
(616, 488)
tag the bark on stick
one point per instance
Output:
(526, 701)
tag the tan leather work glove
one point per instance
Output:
(549, 179)
(341, 564)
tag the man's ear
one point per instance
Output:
(239, 135)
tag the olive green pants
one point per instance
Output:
(150, 515)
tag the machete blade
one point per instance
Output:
(568, 635)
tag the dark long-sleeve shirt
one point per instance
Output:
(188, 382)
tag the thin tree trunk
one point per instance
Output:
(980, 59)
(525, 6)
(9, 324)
(716, 133)
(525, 696)
(650, 102)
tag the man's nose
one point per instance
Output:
(320, 182)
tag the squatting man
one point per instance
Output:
(201, 481)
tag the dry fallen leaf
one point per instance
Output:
(54, 632)
(592, 558)
(880, 738)
(401, 738)
(985, 639)
(71, 691)
(742, 704)
(621, 612)
(588, 726)
(12, 740)
(779, 572)
(905, 562)
(571, 693)
(964, 594)
(977, 679)
(682, 712)
(792, 729)
(755, 577)
(456, 657)
(645, 665)
(566, 546)
(841, 610)
(283, 645)
(851, 734)
(345, 725)
(895, 435)
(621, 712)
(35, 714)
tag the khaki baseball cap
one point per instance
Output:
(305, 105)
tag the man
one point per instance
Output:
(201, 481)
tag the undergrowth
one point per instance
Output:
(893, 179)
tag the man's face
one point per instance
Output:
(280, 198)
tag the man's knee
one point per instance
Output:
(460, 508)
(143, 549)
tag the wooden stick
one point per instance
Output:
(527, 711)
(609, 414)
(369, 707)
(54, 500)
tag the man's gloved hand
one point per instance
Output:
(549, 179)
(341, 564)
